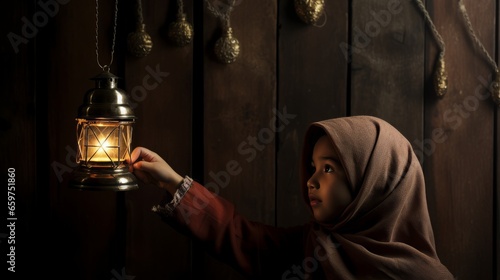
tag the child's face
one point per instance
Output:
(329, 192)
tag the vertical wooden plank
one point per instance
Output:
(160, 89)
(496, 175)
(18, 140)
(312, 86)
(496, 149)
(388, 63)
(458, 157)
(238, 105)
(83, 224)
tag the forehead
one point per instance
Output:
(325, 148)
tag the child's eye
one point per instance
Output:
(328, 169)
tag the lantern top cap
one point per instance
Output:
(106, 101)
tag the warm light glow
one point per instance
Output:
(103, 149)
(103, 143)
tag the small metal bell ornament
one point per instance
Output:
(440, 77)
(309, 11)
(139, 43)
(180, 31)
(227, 47)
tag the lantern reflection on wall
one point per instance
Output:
(104, 134)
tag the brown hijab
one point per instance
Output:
(385, 232)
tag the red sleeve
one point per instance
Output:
(252, 248)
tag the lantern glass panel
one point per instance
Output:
(103, 143)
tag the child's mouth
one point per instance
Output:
(313, 200)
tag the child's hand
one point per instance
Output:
(149, 167)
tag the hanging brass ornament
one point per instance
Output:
(180, 31)
(227, 47)
(139, 42)
(309, 11)
(441, 77)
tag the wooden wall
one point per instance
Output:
(370, 57)
(467, 119)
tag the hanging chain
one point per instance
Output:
(463, 10)
(140, 19)
(440, 78)
(106, 66)
(180, 7)
(224, 17)
(435, 33)
(495, 93)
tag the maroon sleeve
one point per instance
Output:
(252, 248)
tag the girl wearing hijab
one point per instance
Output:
(366, 192)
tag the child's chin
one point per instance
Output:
(319, 218)
(324, 219)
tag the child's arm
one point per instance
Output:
(253, 248)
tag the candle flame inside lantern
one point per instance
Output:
(103, 149)
(103, 143)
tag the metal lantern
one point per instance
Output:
(104, 134)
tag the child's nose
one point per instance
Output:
(312, 183)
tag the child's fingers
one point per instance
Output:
(135, 154)
(145, 166)
(144, 154)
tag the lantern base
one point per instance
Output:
(103, 179)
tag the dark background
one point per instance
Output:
(200, 114)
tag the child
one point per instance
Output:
(365, 188)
